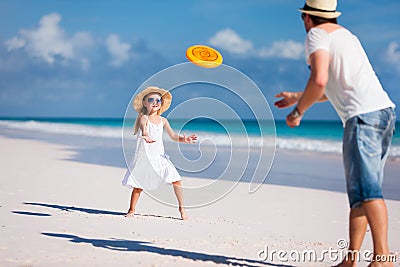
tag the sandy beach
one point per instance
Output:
(62, 204)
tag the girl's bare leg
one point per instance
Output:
(179, 196)
(134, 199)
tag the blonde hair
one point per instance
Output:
(144, 111)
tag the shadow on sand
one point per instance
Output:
(92, 211)
(31, 213)
(72, 208)
(132, 245)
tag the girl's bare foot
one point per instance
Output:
(183, 213)
(130, 213)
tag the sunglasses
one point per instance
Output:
(151, 100)
(303, 15)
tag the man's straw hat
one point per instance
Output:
(165, 96)
(321, 8)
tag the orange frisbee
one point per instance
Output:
(204, 56)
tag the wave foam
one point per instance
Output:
(64, 128)
(298, 144)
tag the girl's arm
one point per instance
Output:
(143, 128)
(177, 138)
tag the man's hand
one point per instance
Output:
(288, 99)
(292, 121)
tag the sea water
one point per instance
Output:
(313, 136)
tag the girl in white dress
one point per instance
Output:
(150, 166)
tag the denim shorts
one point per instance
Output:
(366, 143)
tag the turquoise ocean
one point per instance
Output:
(312, 136)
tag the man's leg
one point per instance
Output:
(377, 216)
(357, 228)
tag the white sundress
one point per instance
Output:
(150, 166)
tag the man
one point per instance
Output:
(342, 74)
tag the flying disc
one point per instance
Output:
(204, 56)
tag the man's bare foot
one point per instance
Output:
(130, 213)
(349, 263)
(183, 213)
(381, 264)
(346, 263)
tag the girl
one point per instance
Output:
(150, 166)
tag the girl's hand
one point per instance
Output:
(288, 99)
(189, 139)
(148, 139)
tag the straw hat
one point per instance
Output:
(165, 96)
(321, 8)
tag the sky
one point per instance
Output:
(63, 58)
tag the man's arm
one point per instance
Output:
(315, 89)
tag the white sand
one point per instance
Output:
(58, 212)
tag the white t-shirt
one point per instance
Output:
(353, 87)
